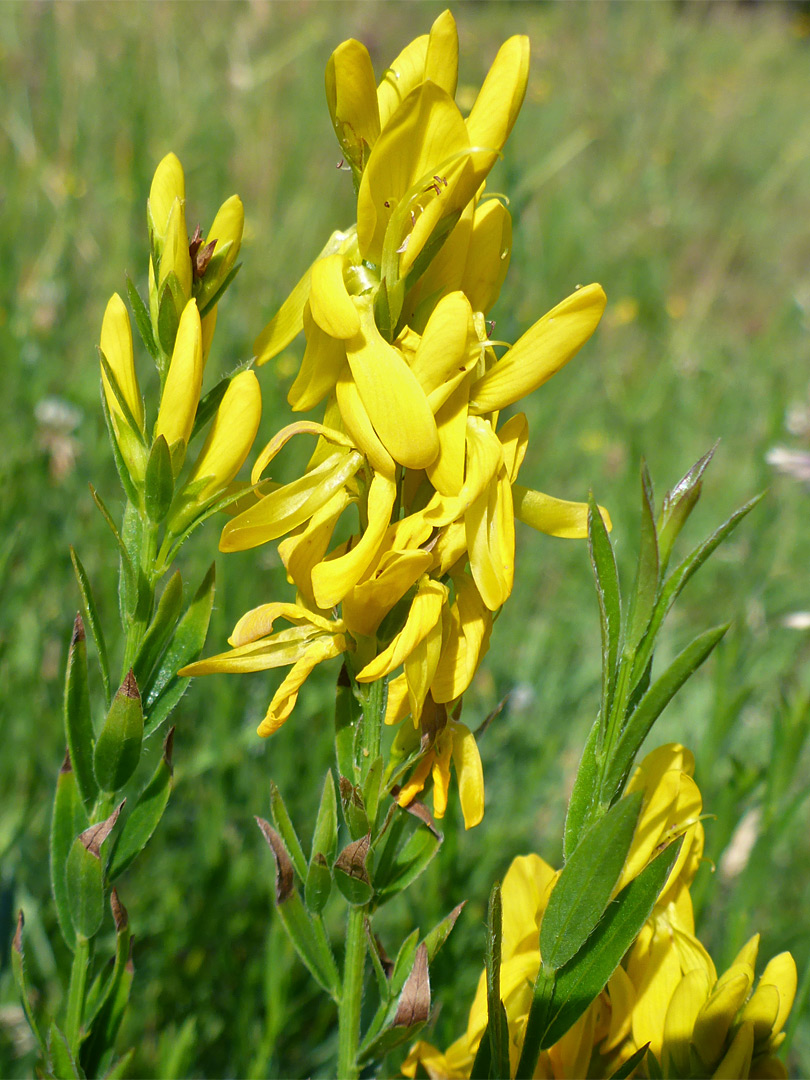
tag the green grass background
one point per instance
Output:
(664, 151)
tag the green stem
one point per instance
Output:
(372, 721)
(144, 603)
(351, 999)
(78, 983)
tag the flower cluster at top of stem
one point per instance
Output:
(665, 993)
(399, 349)
(186, 280)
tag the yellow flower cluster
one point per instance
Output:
(666, 992)
(184, 280)
(399, 349)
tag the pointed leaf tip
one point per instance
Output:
(129, 687)
(168, 748)
(120, 914)
(284, 867)
(78, 630)
(67, 764)
(94, 837)
(17, 942)
(414, 1001)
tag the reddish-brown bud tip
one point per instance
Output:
(78, 630)
(129, 687)
(67, 764)
(168, 749)
(119, 912)
(17, 942)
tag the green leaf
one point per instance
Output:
(127, 580)
(85, 885)
(583, 889)
(441, 931)
(497, 1027)
(118, 747)
(646, 588)
(677, 580)
(678, 504)
(372, 788)
(627, 1069)
(142, 320)
(69, 819)
(103, 1014)
(351, 872)
(652, 705)
(168, 316)
(209, 404)
(347, 716)
(286, 830)
(160, 629)
(584, 792)
(127, 483)
(92, 620)
(135, 597)
(324, 845)
(607, 590)
(482, 1065)
(586, 975)
(318, 885)
(354, 809)
(119, 1069)
(305, 933)
(159, 481)
(21, 979)
(78, 724)
(212, 303)
(409, 862)
(404, 962)
(145, 814)
(184, 647)
(60, 1060)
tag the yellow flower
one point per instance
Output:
(181, 392)
(231, 435)
(168, 184)
(310, 640)
(225, 235)
(116, 345)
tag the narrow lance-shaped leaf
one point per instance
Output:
(160, 629)
(85, 876)
(145, 815)
(412, 1011)
(646, 588)
(441, 931)
(583, 889)
(122, 469)
(497, 1027)
(347, 716)
(409, 862)
(159, 481)
(678, 504)
(652, 705)
(584, 792)
(61, 1063)
(324, 845)
(579, 983)
(607, 591)
(307, 936)
(142, 320)
(92, 620)
(78, 724)
(69, 819)
(21, 979)
(118, 748)
(286, 830)
(185, 646)
(102, 1012)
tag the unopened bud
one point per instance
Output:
(231, 435)
(181, 392)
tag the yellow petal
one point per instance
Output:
(324, 357)
(781, 973)
(444, 274)
(761, 1011)
(514, 438)
(716, 1016)
(393, 398)
(304, 550)
(227, 228)
(208, 325)
(168, 184)
(289, 506)
(466, 644)
(396, 708)
(259, 622)
(737, 1060)
(688, 999)
(541, 352)
(231, 435)
(288, 321)
(425, 136)
(424, 614)
(286, 696)
(333, 438)
(556, 517)
(748, 953)
(181, 392)
(329, 300)
(332, 578)
(499, 101)
(470, 774)
(175, 257)
(484, 459)
(444, 344)
(116, 344)
(446, 473)
(405, 73)
(488, 255)
(420, 667)
(655, 972)
(359, 426)
(351, 95)
(366, 605)
(490, 531)
(441, 62)
(441, 772)
(622, 1000)
(286, 647)
(416, 781)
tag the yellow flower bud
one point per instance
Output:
(175, 257)
(231, 435)
(168, 184)
(116, 344)
(178, 405)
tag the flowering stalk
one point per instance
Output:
(115, 783)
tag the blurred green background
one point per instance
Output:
(664, 150)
